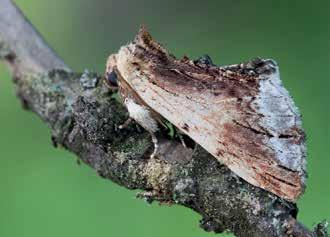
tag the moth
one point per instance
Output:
(241, 114)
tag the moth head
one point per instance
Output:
(111, 77)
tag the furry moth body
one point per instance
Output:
(241, 114)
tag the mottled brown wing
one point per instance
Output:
(241, 114)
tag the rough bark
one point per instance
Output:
(84, 119)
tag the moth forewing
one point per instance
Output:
(241, 114)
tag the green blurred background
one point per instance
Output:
(45, 193)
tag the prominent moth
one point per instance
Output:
(241, 114)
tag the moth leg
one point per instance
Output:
(181, 139)
(155, 141)
(126, 123)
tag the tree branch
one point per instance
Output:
(84, 119)
(31, 54)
